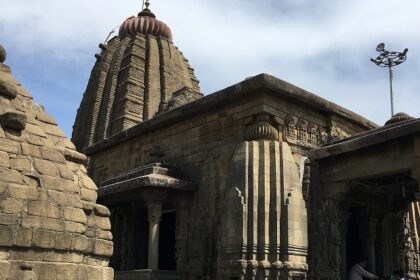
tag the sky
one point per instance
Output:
(322, 46)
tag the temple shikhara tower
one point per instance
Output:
(260, 180)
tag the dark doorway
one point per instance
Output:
(354, 249)
(167, 259)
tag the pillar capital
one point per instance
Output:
(154, 196)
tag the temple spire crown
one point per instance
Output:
(146, 11)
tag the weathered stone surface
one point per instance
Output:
(44, 209)
(104, 234)
(65, 172)
(7, 89)
(9, 146)
(55, 183)
(101, 210)
(108, 273)
(46, 167)
(13, 120)
(23, 192)
(75, 215)
(103, 247)
(23, 237)
(89, 272)
(30, 150)
(11, 175)
(88, 183)
(89, 195)
(8, 219)
(44, 239)
(41, 216)
(75, 227)
(43, 223)
(20, 164)
(4, 159)
(43, 117)
(34, 140)
(79, 242)
(6, 238)
(52, 155)
(11, 206)
(58, 197)
(100, 222)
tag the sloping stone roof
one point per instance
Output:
(50, 224)
(389, 132)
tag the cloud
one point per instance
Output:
(323, 46)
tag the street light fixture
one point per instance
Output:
(389, 59)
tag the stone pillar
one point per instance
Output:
(367, 231)
(154, 200)
(155, 212)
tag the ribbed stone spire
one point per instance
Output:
(138, 74)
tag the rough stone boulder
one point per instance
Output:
(50, 225)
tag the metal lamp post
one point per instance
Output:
(389, 59)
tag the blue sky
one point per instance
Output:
(322, 46)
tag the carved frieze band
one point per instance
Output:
(309, 134)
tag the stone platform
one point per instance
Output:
(148, 274)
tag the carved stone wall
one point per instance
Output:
(50, 224)
(264, 228)
(208, 143)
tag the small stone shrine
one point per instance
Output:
(50, 225)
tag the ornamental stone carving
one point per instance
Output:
(262, 129)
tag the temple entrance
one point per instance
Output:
(354, 249)
(167, 259)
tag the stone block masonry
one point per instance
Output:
(50, 224)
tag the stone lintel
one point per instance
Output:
(144, 183)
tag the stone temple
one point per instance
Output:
(261, 180)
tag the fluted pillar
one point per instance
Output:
(154, 200)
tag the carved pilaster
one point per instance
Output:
(409, 256)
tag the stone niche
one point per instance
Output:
(50, 224)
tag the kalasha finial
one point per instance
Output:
(147, 4)
(146, 11)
